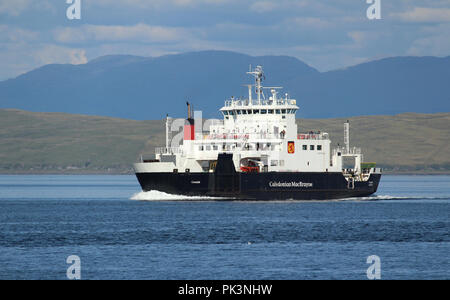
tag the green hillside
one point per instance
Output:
(57, 142)
(65, 143)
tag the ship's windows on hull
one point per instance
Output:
(305, 147)
(319, 147)
(311, 147)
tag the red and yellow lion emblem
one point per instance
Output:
(291, 147)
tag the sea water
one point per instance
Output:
(119, 232)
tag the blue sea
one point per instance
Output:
(119, 232)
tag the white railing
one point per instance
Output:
(351, 151)
(263, 102)
(313, 136)
(170, 150)
(238, 136)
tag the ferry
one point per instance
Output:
(257, 153)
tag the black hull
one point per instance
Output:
(226, 182)
(259, 186)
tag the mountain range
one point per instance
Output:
(144, 88)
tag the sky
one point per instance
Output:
(325, 34)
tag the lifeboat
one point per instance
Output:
(248, 169)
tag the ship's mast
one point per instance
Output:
(168, 132)
(258, 74)
(347, 136)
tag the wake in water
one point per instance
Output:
(161, 196)
(389, 197)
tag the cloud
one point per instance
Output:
(19, 58)
(140, 33)
(157, 4)
(435, 41)
(310, 22)
(263, 6)
(326, 34)
(51, 54)
(17, 7)
(17, 35)
(424, 14)
(13, 7)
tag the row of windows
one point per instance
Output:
(258, 146)
(247, 147)
(275, 163)
(312, 147)
(258, 111)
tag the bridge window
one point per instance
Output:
(263, 111)
(256, 111)
(305, 147)
(311, 147)
(278, 111)
(270, 111)
(244, 112)
(319, 147)
(249, 111)
(283, 111)
(238, 112)
(225, 113)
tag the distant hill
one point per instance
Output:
(147, 88)
(66, 143)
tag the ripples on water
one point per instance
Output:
(121, 233)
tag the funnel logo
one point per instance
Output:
(291, 147)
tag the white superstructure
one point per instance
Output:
(261, 133)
